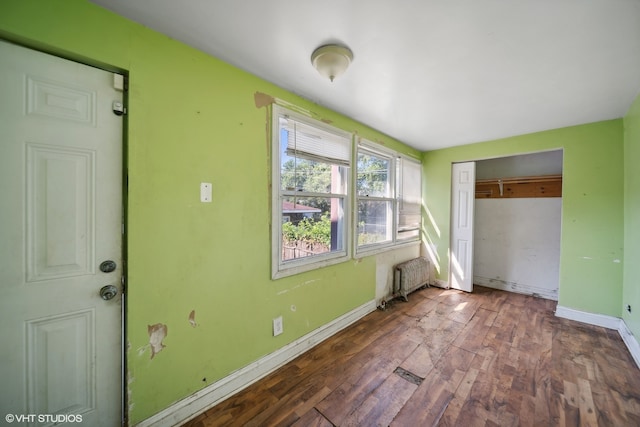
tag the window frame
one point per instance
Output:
(282, 268)
(396, 170)
(367, 147)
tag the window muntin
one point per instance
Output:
(311, 200)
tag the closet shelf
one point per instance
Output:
(519, 187)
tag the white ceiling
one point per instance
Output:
(431, 73)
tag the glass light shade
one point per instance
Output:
(331, 60)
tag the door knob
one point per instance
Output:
(108, 292)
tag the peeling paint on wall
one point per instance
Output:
(157, 333)
(192, 318)
(262, 99)
(130, 380)
(380, 141)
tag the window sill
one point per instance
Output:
(301, 268)
(365, 252)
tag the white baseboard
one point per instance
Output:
(604, 321)
(441, 284)
(630, 341)
(519, 288)
(224, 388)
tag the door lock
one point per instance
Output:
(108, 292)
(107, 266)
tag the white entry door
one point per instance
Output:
(463, 177)
(61, 217)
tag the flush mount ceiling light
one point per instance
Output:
(331, 60)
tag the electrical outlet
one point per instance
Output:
(278, 328)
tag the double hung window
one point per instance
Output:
(376, 197)
(310, 195)
(315, 219)
(388, 198)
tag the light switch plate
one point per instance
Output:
(206, 192)
(278, 327)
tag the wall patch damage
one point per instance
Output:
(157, 333)
(262, 99)
(192, 318)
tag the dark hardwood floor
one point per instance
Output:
(490, 358)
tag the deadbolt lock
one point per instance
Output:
(107, 266)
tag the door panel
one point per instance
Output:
(50, 367)
(61, 192)
(462, 205)
(60, 217)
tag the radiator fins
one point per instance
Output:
(411, 275)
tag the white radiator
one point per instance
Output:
(410, 275)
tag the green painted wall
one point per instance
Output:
(592, 207)
(631, 290)
(193, 118)
(215, 258)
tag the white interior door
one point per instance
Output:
(463, 177)
(61, 204)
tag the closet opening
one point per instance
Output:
(517, 223)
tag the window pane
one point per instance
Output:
(312, 176)
(309, 174)
(373, 222)
(373, 176)
(308, 141)
(311, 226)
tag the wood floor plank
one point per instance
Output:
(382, 406)
(472, 335)
(429, 401)
(449, 358)
(452, 412)
(422, 307)
(312, 418)
(420, 362)
(588, 417)
(352, 392)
